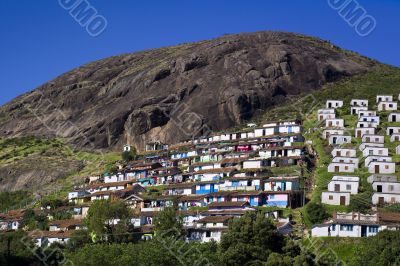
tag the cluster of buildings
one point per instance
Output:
(366, 151)
(208, 180)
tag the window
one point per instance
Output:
(373, 229)
(391, 187)
(208, 233)
(386, 166)
(348, 187)
(346, 227)
(333, 227)
(380, 152)
(330, 197)
(346, 168)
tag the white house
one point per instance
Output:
(374, 119)
(367, 144)
(254, 164)
(386, 186)
(353, 160)
(327, 132)
(384, 98)
(362, 124)
(361, 131)
(359, 102)
(387, 106)
(392, 130)
(339, 139)
(334, 104)
(351, 225)
(379, 151)
(339, 152)
(382, 167)
(322, 117)
(366, 113)
(375, 158)
(326, 111)
(394, 117)
(336, 122)
(380, 198)
(341, 168)
(355, 109)
(335, 198)
(395, 137)
(373, 138)
(344, 184)
(261, 132)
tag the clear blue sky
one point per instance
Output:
(40, 40)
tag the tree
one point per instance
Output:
(108, 220)
(15, 249)
(168, 224)
(250, 238)
(316, 212)
(382, 249)
(129, 155)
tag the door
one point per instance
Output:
(337, 169)
(321, 117)
(381, 201)
(330, 124)
(363, 231)
(384, 107)
(393, 118)
(376, 169)
(379, 188)
(359, 134)
(342, 200)
(329, 105)
(337, 188)
(338, 153)
(390, 131)
(368, 139)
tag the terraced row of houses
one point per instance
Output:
(365, 151)
(208, 180)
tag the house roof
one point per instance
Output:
(247, 193)
(181, 185)
(66, 223)
(215, 219)
(13, 215)
(112, 184)
(228, 204)
(216, 170)
(51, 234)
(389, 218)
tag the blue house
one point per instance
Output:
(207, 187)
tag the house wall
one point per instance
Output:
(391, 130)
(343, 167)
(352, 160)
(373, 138)
(280, 200)
(359, 102)
(395, 137)
(373, 158)
(344, 152)
(253, 164)
(339, 139)
(367, 144)
(334, 104)
(394, 117)
(327, 132)
(333, 198)
(384, 167)
(388, 198)
(355, 109)
(387, 106)
(384, 98)
(322, 117)
(375, 151)
(345, 186)
(334, 122)
(362, 124)
(360, 131)
(387, 187)
(366, 113)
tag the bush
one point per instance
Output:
(361, 202)
(316, 212)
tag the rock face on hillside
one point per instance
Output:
(175, 93)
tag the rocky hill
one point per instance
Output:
(175, 93)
